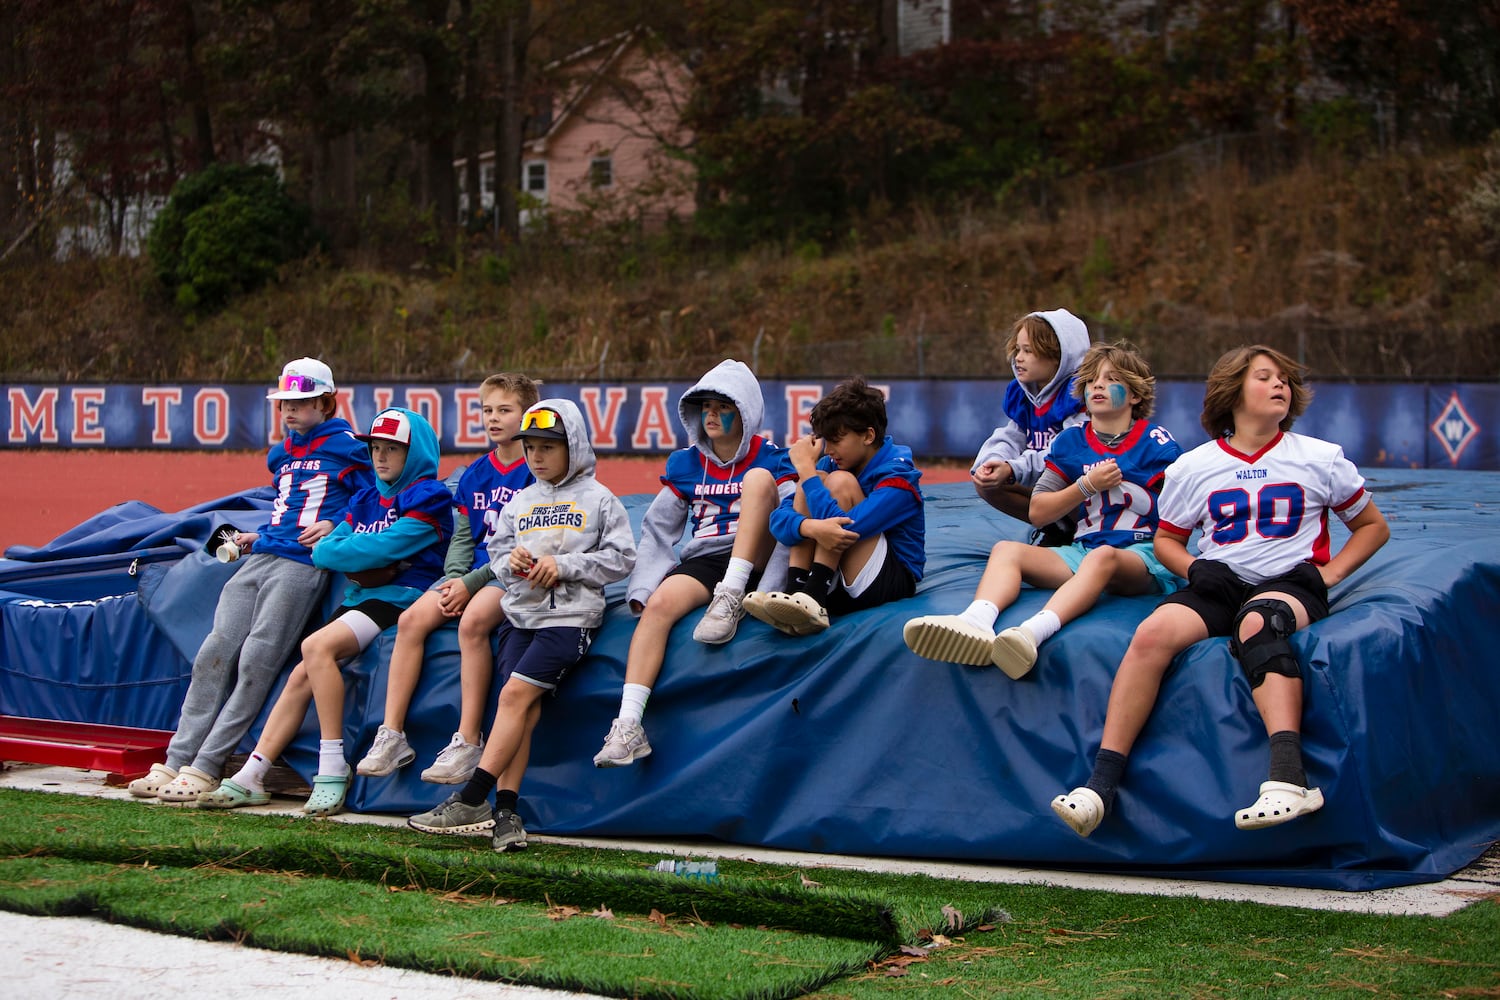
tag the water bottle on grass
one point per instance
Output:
(703, 871)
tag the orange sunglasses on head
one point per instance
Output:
(540, 419)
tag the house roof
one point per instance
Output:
(617, 45)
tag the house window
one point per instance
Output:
(601, 172)
(487, 181)
(535, 179)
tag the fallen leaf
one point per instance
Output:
(955, 918)
(365, 963)
(658, 918)
(603, 913)
(807, 883)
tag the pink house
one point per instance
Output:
(608, 149)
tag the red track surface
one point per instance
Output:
(48, 492)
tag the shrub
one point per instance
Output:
(226, 231)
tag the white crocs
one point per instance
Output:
(187, 786)
(1082, 809)
(1279, 802)
(149, 785)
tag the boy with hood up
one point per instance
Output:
(556, 545)
(723, 486)
(391, 546)
(1045, 350)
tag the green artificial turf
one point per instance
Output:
(600, 920)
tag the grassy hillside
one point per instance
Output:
(1376, 268)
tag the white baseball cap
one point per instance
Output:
(389, 425)
(305, 378)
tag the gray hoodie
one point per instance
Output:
(662, 527)
(578, 522)
(1033, 417)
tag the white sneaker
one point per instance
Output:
(1014, 652)
(455, 763)
(389, 752)
(722, 618)
(625, 744)
(949, 638)
(794, 614)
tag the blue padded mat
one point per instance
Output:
(847, 743)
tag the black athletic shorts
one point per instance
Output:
(710, 569)
(1217, 593)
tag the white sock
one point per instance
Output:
(331, 760)
(737, 576)
(633, 702)
(1043, 625)
(252, 775)
(981, 614)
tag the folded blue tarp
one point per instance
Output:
(847, 743)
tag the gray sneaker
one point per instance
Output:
(509, 832)
(453, 816)
(455, 763)
(625, 744)
(719, 622)
(389, 751)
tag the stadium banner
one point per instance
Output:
(1387, 424)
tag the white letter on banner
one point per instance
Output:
(86, 429)
(161, 399)
(25, 417)
(211, 416)
(800, 399)
(470, 433)
(429, 403)
(653, 422)
(604, 424)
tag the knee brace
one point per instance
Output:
(1267, 651)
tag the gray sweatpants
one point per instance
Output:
(257, 624)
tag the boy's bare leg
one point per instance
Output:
(477, 658)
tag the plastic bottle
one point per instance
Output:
(704, 871)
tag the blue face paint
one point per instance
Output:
(1117, 395)
(726, 420)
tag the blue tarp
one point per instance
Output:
(847, 743)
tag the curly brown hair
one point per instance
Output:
(1226, 384)
(853, 405)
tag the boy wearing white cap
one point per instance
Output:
(316, 469)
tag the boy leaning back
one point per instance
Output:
(390, 546)
(856, 521)
(264, 607)
(719, 491)
(1105, 476)
(556, 545)
(467, 591)
(1261, 496)
(1044, 350)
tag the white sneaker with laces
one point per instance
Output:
(722, 617)
(625, 744)
(388, 752)
(455, 763)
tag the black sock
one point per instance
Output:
(796, 580)
(478, 789)
(820, 581)
(507, 799)
(1109, 768)
(1286, 758)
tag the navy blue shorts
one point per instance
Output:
(540, 656)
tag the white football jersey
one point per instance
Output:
(1262, 514)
